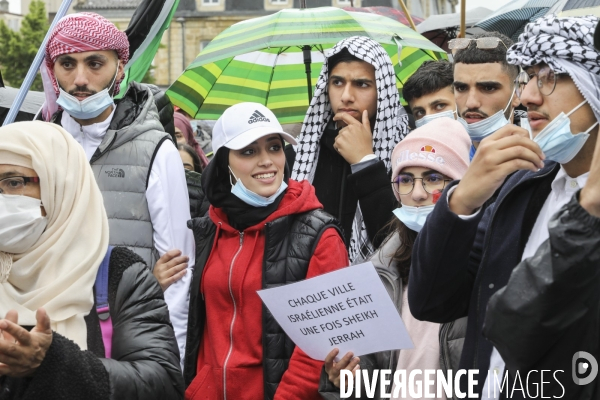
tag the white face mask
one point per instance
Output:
(21, 223)
(428, 118)
(413, 217)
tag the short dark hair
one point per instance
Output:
(190, 150)
(430, 77)
(472, 55)
(343, 56)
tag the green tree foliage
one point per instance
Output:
(19, 48)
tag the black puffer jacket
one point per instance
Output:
(198, 202)
(550, 308)
(289, 246)
(145, 357)
(165, 110)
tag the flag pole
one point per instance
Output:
(408, 17)
(35, 66)
(463, 23)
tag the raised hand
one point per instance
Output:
(333, 369)
(170, 268)
(355, 140)
(22, 352)
(507, 150)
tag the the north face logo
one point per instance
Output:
(115, 173)
(258, 117)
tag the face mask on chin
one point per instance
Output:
(91, 106)
(249, 197)
(413, 217)
(484, 128)
(556, 139)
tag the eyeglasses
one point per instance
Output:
(485, 43)
(432, 183)
(546, 81)
(15, 185)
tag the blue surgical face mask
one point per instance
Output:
(428, 118)
(557, 141)
(91, 106)
(249, 197)
(194, 125)
(484, 128)
(413, 217)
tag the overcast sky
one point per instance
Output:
(15, 5)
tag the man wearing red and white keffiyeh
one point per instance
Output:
(136, 165)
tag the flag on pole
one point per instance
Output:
(145, 31)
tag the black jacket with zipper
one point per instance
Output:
(145, 357)
(458, 264)
(560, 314)
(341, 191)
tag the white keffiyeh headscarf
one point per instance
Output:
(567, 45)
(391, 124)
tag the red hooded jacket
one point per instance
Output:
(230, 355)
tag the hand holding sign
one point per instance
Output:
(333, 369)
(349, 309)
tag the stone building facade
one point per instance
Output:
(12, 20)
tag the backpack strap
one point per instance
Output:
(102, 308)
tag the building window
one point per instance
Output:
(210, 2)
(203, 44)
(279, 2)
(13, 24)
(343, 2)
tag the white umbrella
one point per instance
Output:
(32, 104)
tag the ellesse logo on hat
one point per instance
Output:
(258, 117)
(427, 153)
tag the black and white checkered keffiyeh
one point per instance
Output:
(566, 44)
(391, 123)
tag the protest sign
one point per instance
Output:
(349, 309)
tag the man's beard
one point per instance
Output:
(84, 89)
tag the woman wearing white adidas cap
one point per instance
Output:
(263, 230)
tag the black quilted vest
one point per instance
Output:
(290, 242)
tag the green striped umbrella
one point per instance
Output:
(261, 60)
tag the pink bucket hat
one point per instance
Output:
(442, 145)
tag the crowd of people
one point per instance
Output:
(130, 262)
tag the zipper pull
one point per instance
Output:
(241, 238)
